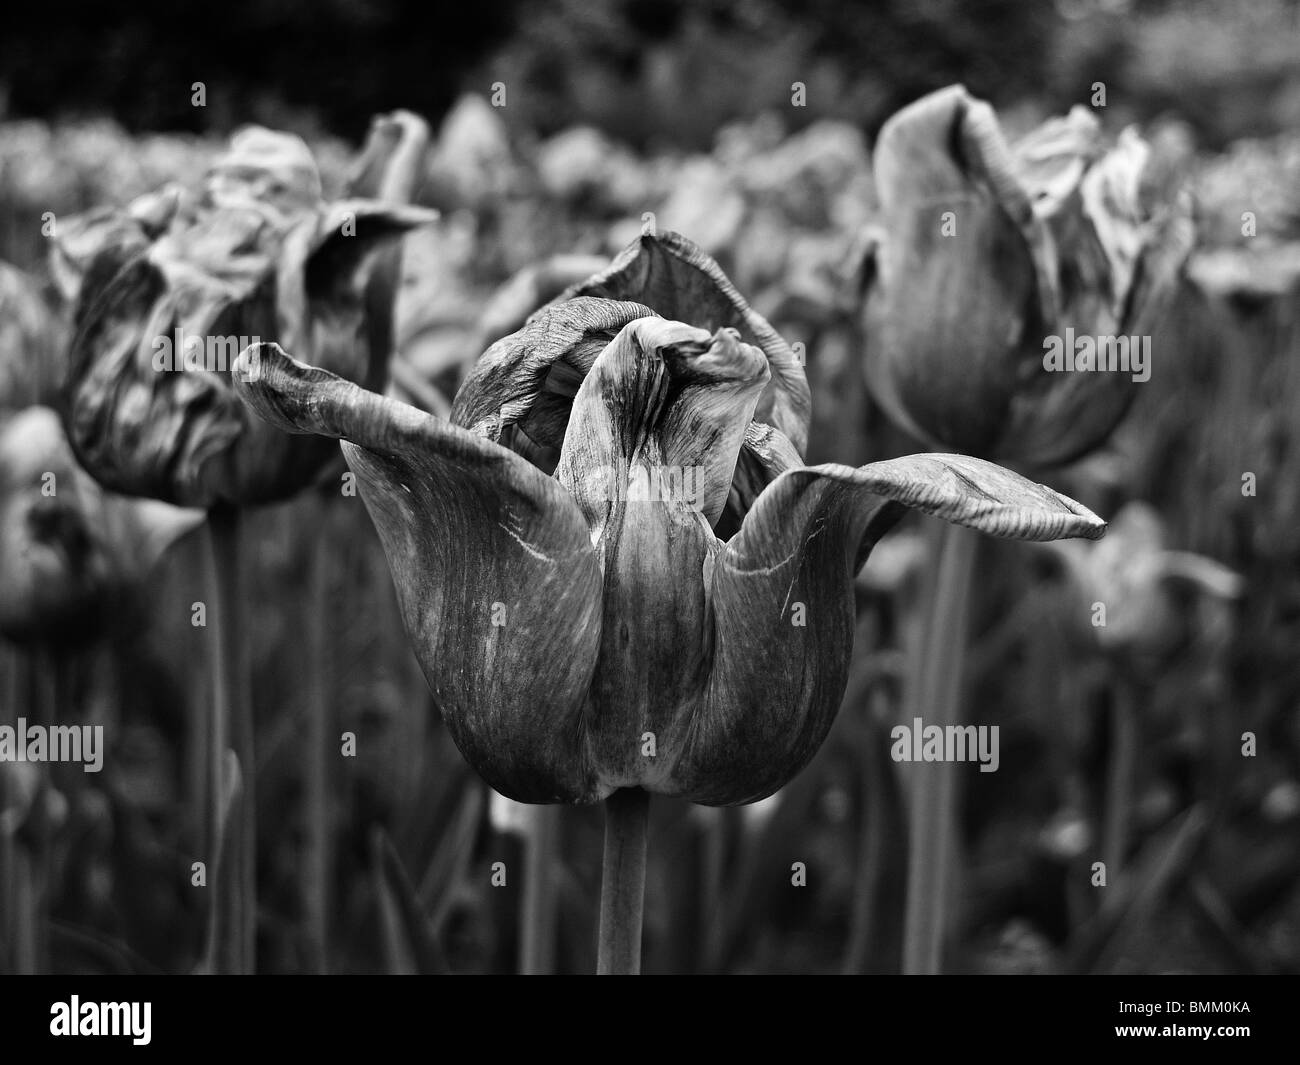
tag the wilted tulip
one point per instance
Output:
(583, 633)
(990, 256)
(255, 254)
(68, 549)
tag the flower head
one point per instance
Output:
(594, 629)
(255, 253)
(987, 254)
(521, 391)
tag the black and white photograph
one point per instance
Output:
(651, 487)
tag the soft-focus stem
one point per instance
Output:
(712, 927)
(537, 932)
(622, 889)
(1119, 781)
(316, 842)
(871, 849)
(933, 694)
(235, 897)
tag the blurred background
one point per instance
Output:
(603, 112)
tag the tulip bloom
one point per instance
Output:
(1137, 578)
(166, 305)
(581, 636)
(985, 253)
(520, 392)
(66, 545)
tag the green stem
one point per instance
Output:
(933, 694)
(537, 934)
(622, 890)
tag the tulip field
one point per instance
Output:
(473, 544)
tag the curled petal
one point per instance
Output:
(649, 454)
(530, 377)
(947, 148)
(681, 281)
(783, 606)
(665, 404)
(145, 431)
(392, 162)
(496, 577)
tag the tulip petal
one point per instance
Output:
(783, 604)
(498, 583)
(681, 281)
(529, 378)
(649, 454)
(949, 145)
(141, 428)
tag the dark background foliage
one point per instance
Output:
(643, 70)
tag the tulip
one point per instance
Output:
(585, 646)
(255, 253)
(69, 549)
(986, 260)
(984, 251)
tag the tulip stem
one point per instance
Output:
(537, 931)
(315, 882)
(622, 890)
(234, 904)
(933, 694)
(1119, 782)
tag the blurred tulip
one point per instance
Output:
(254, 254)
(1136, 578)
(472, 164)
(985, 251)
(578, 642)
(31, 342)
(106, 238)
(68, 549)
